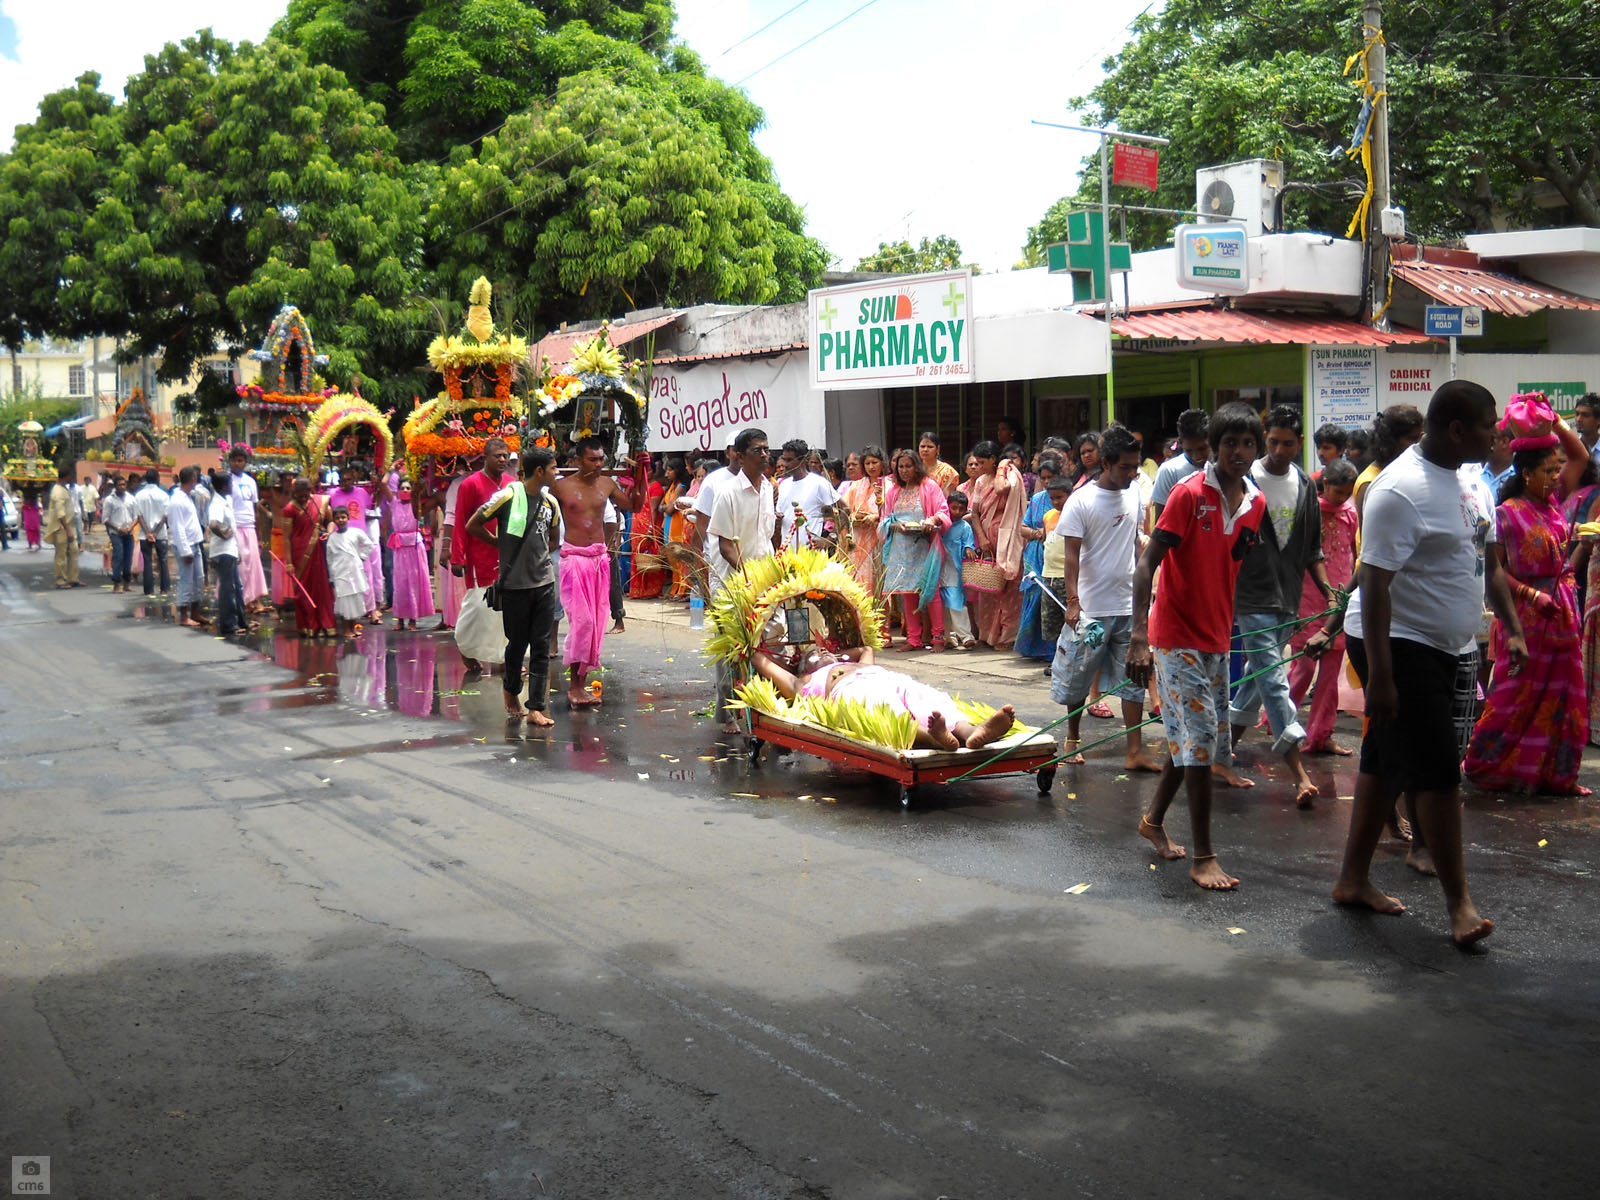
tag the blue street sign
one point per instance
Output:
(1446, 320)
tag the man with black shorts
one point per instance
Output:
(1420, 598)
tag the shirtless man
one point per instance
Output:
(585, 562)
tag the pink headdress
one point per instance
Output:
(1531, 422)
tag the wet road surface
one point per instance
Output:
(311, 916)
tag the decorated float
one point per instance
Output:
(34, 465)
(787, 603)
(344, 428)
(596, 394)
(282, 401)
(446, 435)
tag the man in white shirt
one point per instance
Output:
(802, 496)
(224, 548)
(1100, 528)
(709, 487)
(121, 518)
(246, 500)
(151, 502)
(1422, 581)
(742, 521)
(185, 534)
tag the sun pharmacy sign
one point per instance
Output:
(906, 332)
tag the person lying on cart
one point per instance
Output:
(852, 675)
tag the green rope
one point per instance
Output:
(1044, 729)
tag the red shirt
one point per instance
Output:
(1193, 608)
(482, 560)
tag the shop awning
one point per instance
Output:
(1204, 323)
(557, 347)
(1490, 290)
(752, 352)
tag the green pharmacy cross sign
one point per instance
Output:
(1084, 255)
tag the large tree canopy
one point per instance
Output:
(1494, 119)
(374, 156)
(448, 73)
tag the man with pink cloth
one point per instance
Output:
(247, 507)
(585, 563)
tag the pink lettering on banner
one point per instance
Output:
(705, 423)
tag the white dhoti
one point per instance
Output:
(251, 577)
(480, 633)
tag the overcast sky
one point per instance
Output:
(908, 120)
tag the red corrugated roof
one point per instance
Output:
(1491, 290)
(754, 352)
(557, 347)
(1186, 323)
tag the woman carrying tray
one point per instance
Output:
(915, 516)
(852, 675)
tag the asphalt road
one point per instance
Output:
(297, 920)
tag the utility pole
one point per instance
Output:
(1378, 265)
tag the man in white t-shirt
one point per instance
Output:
(1100, 528)
(742, 522)
(1424, 571)
(802, 491)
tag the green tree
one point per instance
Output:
(449, 73)
(1493, 117)
(940, 253)
(617, 196)
(48, 185)
(237, 180)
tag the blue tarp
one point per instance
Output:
(72, 424)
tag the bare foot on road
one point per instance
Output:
(940, 733)
(1467, 925)
(539, 719)
(1157, 837)
(1364, 895)
(581, 698)
(617, 627)
(1305, 794)
(1334, 747)
(1208, 874)
(1228, 777)
(1140, 761)
(1420, 860)
(730, 727)
(992, 730)
(1076, 760)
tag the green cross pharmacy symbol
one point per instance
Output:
(953, 300)
(1084, 255)
(826, 314)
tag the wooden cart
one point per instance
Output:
(1019, 754)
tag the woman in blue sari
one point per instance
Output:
(1031, 642)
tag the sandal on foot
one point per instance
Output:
(1100, 709)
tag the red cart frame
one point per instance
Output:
(909, 768)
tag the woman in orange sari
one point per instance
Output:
(996, 494)
(864, 499)
(678, 503)
(645, 542)
(934, 467)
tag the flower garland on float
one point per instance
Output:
(597, 393)
(479, 365)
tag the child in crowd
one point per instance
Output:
(1210, 522)
(1055, 561)
(1339, 559)
(959, 544)
(348, 547)
(1331, 441)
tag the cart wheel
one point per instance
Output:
(907, 794)
(1047, 779)
(753, 746)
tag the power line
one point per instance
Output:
(641, 141)
(763, 29)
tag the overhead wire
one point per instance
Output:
(587, 140)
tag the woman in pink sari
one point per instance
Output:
(1531, 733)
(413, 589)
(996, 495)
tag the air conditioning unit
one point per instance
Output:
(1240, 193)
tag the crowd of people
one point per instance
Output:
(1209, 580)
